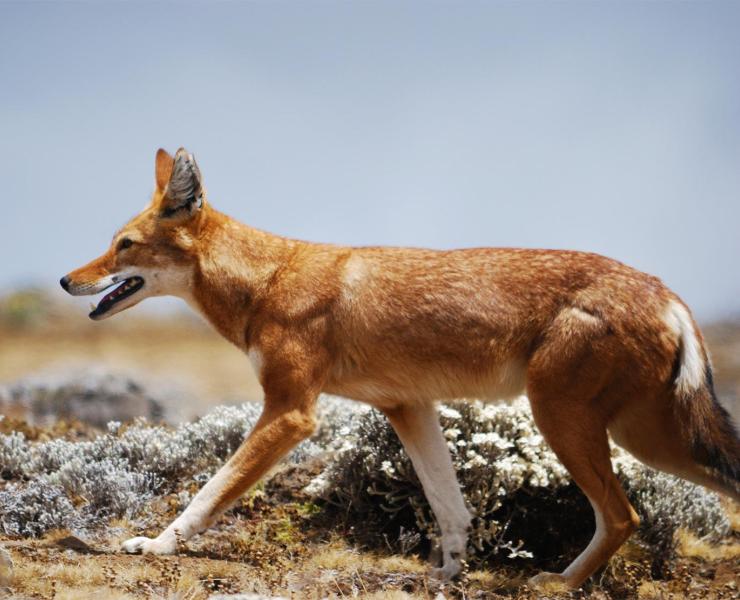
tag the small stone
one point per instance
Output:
(6, 568)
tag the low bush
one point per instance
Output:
(113, 475)
(524, 505)
(523, 502)
(79, 485)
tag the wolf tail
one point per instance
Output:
(713, 435)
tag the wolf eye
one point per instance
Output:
(125, 243)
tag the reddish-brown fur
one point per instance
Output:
(400, 328)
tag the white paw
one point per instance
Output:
(451, 568)
(145, 545)
(446, 573)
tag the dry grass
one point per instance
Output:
(729, 551)
(276, 549)
(337, 556)
(691, 546)
(733, 512)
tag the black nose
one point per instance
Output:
(64, 282)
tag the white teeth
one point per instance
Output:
(125, 287)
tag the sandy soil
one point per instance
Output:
(278, 548)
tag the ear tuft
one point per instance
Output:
(163, 168)
(184, 190)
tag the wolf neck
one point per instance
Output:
(236, 264)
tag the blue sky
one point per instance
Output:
(609, 126)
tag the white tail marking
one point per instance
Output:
(691, 373)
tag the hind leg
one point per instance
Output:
(577, 435)
(571, 387)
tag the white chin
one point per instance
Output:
(113, 310)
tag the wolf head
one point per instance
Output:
(155, 253)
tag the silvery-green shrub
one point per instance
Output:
(523, 502)
(81, 484)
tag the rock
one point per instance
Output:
(93, 396)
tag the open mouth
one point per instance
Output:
(127, 289)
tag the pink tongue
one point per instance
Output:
(110, 296)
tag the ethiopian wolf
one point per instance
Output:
(598, 347)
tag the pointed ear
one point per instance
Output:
(184, 192)
(163, 168)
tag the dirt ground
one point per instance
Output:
(278, 548)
